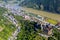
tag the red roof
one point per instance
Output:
(58, 23)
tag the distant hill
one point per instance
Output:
(48, 5)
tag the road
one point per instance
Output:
(43, 35)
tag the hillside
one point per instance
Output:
(6, 27)
(48, 5)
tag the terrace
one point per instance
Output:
(6, 27)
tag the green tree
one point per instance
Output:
(56, 33)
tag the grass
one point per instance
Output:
(18, 17)
(43, 13)
(51, 21)
(2, 10)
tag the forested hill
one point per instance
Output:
(48, 5)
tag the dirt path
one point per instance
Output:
(1, 28)
(43, 13)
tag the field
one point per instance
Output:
(51, 21)
(43, 13)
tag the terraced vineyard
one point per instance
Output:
(6, 27)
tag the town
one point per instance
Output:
(45, 29)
